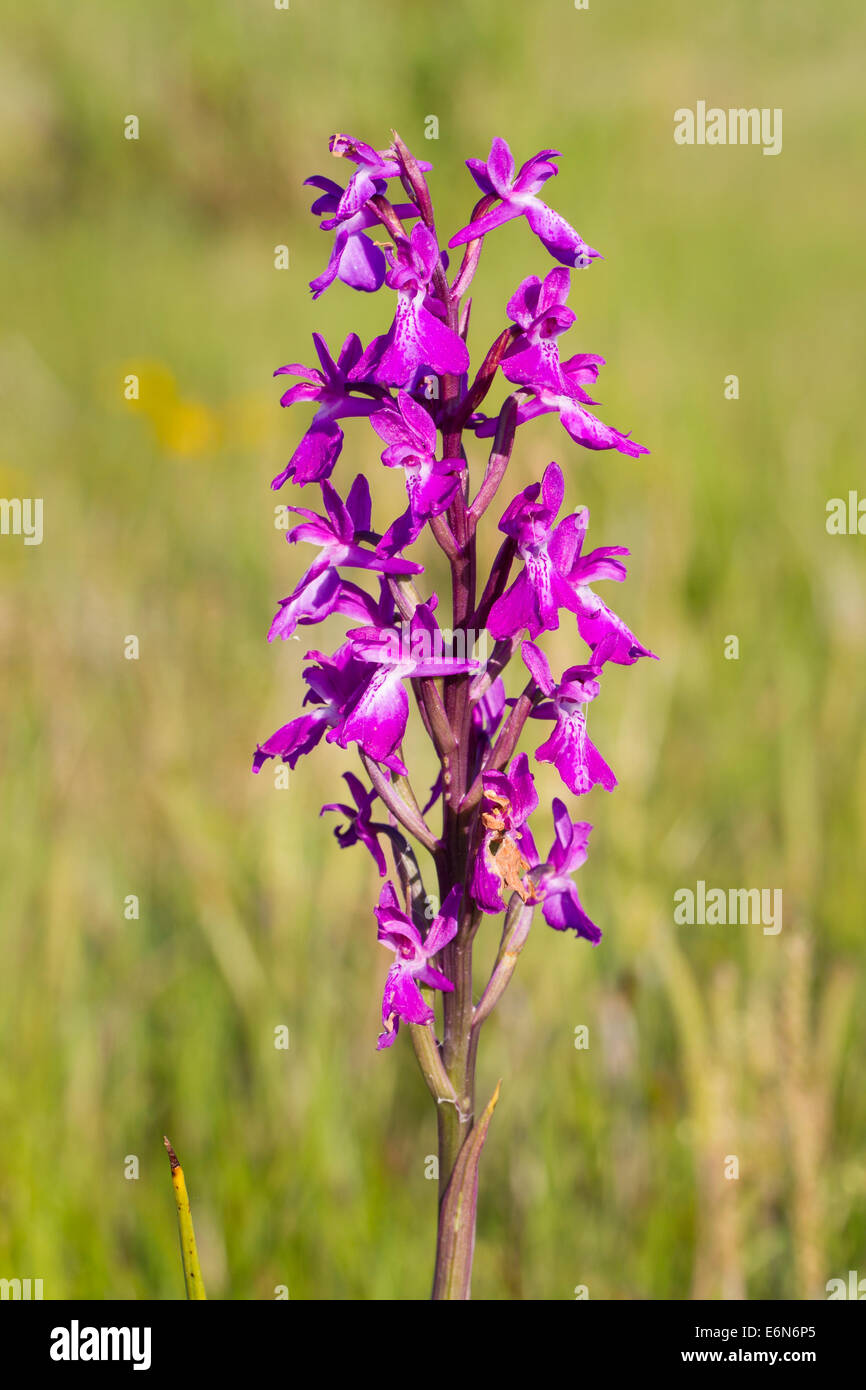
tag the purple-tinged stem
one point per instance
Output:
(497, 580)
(472, 254)
(414, 181)
(499, 659)
(515, 930)
(485, 375)
(504, 746)
(430, 1062)
(497, 463)
(388, 216)
(402, 812)
(456, 1237)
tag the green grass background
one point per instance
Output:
(604, 1167)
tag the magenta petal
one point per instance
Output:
(563, 911)
(566, 542)
(595, 622)
(403, 997)
(478, 170)
(362, 265)
(434, 979)
(389, 424)
(536, 364)
(425, 249)
(555, 291)
(488, 222)
(514, 610)
(577, 760)
(486, 882)
(430, 495)
(552, 488)
(302, 391)
(377, 719)
(592, 433)
(310, 603)
(419, 421)
(322, 282)
(420, 339)
(538, 666)
(358, 504)
(559, 237)
(540, 574)
(522, 307)
(294, 739)
(524, 797)
(444, 926)
(315, 456)
(500, 167)
(388, 1037)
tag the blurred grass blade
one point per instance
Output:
(191, 1267)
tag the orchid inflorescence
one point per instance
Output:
(413, 384)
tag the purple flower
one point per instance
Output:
(417, 338)
(375, 718)
(535, 597)
(355, 258)
(330, 388)
(331, 684)
(402, 998)
(374, 166)
(554, 887)
(569, 748)
(569, 401)
(556, 575)
(360, 828)
(509, 800)
(595, 621)
(431, 483)
(518, 199)
(316, 598)
(540, 311)
(338, 533)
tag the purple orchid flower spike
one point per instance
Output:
(402, 998)
(413, 387)
(319, 449)
(518, 198)
(555, 888)
(337, 534)
(374, 168)
(355, 258)
(360, 829)
(508, 802)
(332, 683)
(376, 717)
(417, 338)
(569, 748)
(431, 483)
(540, 311)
